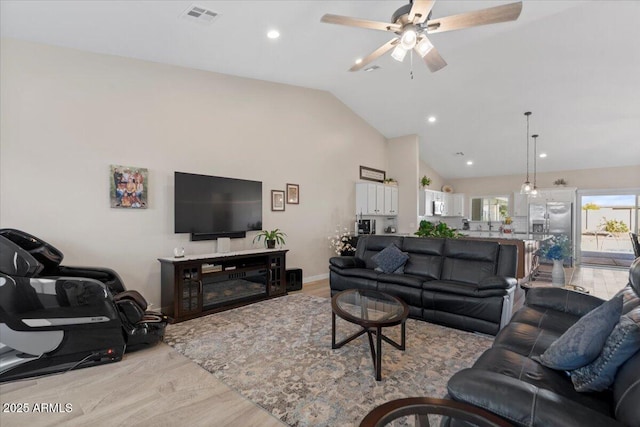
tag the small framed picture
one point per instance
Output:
(129, 186)
(277, 200)
(371, 174)
(293, 194)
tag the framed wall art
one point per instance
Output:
(277, 200)
(293, 194)
(371, 174)
(129, 187)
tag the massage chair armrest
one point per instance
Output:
(346, 262)
(104, 275)
(497, 282)
(522, 403)
(563, 300)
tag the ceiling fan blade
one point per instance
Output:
(434, 61)
(376, 54)
(493, 15)
(362, 23)
(420, 10)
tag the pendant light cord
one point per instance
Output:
(528, 113)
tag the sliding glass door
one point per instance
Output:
(605, 220)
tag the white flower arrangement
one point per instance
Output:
(341, 241)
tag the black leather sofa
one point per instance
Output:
(507, 381)
(465, 284)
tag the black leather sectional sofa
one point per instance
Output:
(508, 381)
(465, 284)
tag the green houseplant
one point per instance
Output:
(429, 229)
(424, 181)
(270, 238)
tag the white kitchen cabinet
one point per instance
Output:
(427, 197)
(390, 200)
(370, 199)
(456, 205)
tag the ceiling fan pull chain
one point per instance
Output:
(411, 66)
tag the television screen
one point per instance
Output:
(215, 206)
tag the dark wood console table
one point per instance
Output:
(194, 286)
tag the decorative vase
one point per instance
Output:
(557, 273)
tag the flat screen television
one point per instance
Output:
(209, 207)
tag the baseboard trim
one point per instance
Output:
(315, 278)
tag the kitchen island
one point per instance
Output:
(527, 244)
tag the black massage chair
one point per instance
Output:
(55, 318)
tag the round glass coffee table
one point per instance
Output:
(372, 310)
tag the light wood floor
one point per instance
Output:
(159, 387)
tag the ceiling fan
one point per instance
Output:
(412, 23)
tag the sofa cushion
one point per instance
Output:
(545, 318)
(369, 246)
(401, 279)
(524, 339)
(583, 341)
(518, 366)
(390, 259)
(623, 343)
(458, 288)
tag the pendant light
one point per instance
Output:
(526, 186)
(534, 191)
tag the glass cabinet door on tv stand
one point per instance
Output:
(190, 290)
(277, 282)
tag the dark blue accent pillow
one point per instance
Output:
(390, 258)
(621, 345)
(583, 342)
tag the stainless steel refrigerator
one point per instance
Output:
(554, 218)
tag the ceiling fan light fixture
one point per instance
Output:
(423, 47)
(399, 53)
(408, 39)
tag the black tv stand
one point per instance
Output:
(194, 286)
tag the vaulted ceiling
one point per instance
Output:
(574, 64)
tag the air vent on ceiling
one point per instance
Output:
(372, 68)
(200, 15)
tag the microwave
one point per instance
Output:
(438, 208)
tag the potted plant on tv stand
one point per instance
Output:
(270, 238)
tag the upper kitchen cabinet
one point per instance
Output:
(390, 200)
(376, 199)
(454, 204)
(427, 197)
(564, 194)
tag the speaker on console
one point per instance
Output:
(294, 279)
(224, 245)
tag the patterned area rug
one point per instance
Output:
(277, 353)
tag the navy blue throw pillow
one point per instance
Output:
(583, 342)
(390, 258)
(623, 343)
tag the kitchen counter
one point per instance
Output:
(506, 236)
(527, 244)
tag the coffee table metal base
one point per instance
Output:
(376, 352)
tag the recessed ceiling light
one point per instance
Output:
(273, 34)
(543, 155)
(431, 119)
(359, 61)
(469, 163)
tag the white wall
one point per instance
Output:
(67, 115)
(403, 153)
